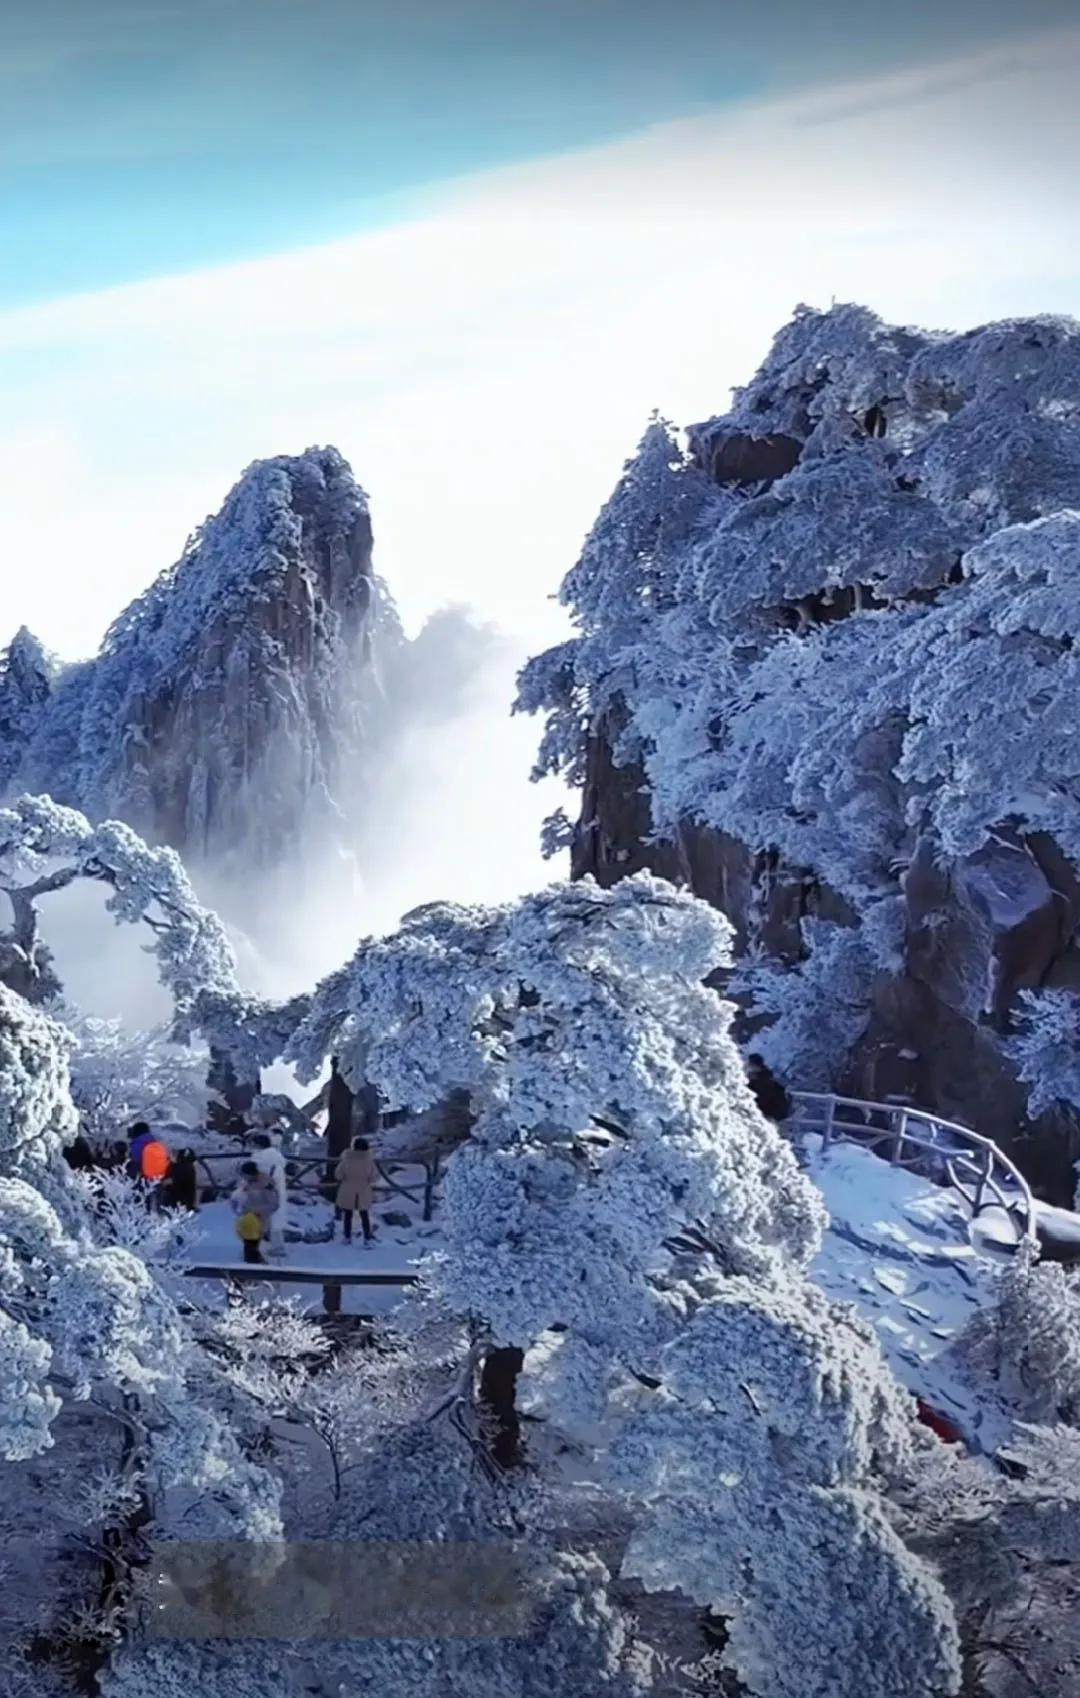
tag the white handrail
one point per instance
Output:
(823, 1112)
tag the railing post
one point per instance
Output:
(984, 1174)
(827, 1129)
(431, 1175)
(898, 1141)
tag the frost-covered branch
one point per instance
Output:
(192, 951)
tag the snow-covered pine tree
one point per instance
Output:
(622, 1216)
(1024, 1350)
(838, 630)
(111, 1414)
(26, 678)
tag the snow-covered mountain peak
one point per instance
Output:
(225, 698)
(826, 674)
(296, 514)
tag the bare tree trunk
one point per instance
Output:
(26, 962)
(498, 1394)
(431, 1179)
(237, 1095)
(121, 1541)
(340, 1103)
(87, 1653)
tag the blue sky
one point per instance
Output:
(254, 204)
(140, 138)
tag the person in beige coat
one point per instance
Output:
(355, 1174)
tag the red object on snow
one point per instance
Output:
(938, 1423)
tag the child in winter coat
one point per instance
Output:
(270, 1161)
(355, 1174)
(254, 1203)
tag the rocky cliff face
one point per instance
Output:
(826, 676)
(226, 699)
(26, 682)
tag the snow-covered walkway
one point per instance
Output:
(899, 1248)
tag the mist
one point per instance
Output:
(106, 969)
(435, 808)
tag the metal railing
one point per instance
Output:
(307, 1171)
(971, 1165)
(330, 1279)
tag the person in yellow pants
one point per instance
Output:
(254, 1203)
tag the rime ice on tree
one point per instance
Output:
(826, 673)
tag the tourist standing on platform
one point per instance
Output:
(356, 1188)
(254, 1203)
(270, 1162)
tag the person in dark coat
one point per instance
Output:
(181, 1189)
(769, 1094)
(79, 1156)
(339, 1111)
(339, 1123)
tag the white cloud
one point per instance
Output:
(487, 366)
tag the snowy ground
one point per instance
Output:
(397, 1248)
(899, 1248)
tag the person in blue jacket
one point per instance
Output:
(139, 1136)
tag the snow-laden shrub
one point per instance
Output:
(118, 1075)
(1007, 1545)
(36, 1114)
(816, 1009)
(1045, 1049)
(1025, 1349)
(761, 1464)
(85, 1317)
